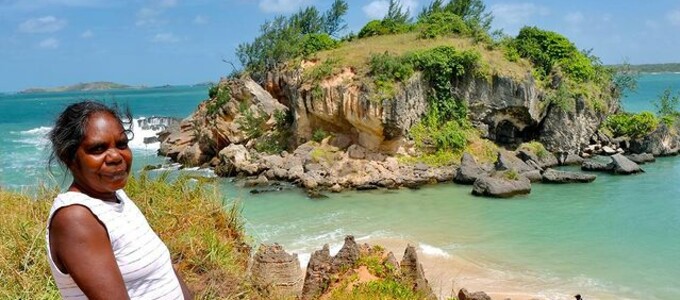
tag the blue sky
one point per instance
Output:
(45, 43)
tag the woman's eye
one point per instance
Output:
(98, 149)
(122, 145)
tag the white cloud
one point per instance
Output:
(148, 17)
(45, 24)
(282, 6)
(674, 17)
(574, 18)
(201, 19)
(49, 43)
(378, 8)
(165, 38)
(519, 13)
(87, 34)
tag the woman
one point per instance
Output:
(99, 244)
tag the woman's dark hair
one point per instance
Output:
(69, 129)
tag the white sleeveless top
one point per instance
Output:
(143, 259)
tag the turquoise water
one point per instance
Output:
(650, 87)
(26, 119)
(616, 238)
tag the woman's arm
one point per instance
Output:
(188, 295)
(80, 247)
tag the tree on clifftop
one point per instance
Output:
(285, 38)
(333, 21)
(473, 12)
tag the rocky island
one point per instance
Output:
(406, 109)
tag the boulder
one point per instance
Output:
(463, 294)
(662, 142)
(259, 181)
(412, 273)
(598, 163)
(346, 257)
(565, 158)
(554, 176)
(317, 276)
(356, 152)
(238, 156)
(623, 165)
(608, 150)
(544, 160)
(533, 176)
(277, 271)
(501, 187)
(506, 161)
(641, 158)
(469, 170)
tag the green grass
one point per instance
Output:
(357, 53)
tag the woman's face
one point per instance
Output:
(103, 160)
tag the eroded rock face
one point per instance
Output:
(505, 110)
(340, 105)
(569, 131)
(215, 125)
(277, 271)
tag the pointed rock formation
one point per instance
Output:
(347, 256)
(412, 273)
(317, 277)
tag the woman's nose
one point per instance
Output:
(113, 156)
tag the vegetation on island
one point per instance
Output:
(79, 87)
(443, 43)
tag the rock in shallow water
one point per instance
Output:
(554, 176)
(501, 187)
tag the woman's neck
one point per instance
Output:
(109, 197)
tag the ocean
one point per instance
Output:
(615, 238)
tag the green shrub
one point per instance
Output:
(667, 104)
(386, 67)
(318, 135)
(383, 27)
(221, 95)
(547, 49)
(631, 125)
(442, 23)
(562, 98)
(252, 123)
(440, 66)
(315, 42)
(212, 91)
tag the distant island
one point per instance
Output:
(89, 86)
(654, 68)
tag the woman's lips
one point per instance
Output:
(117, 175)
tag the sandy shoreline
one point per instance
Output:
(448, 273)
